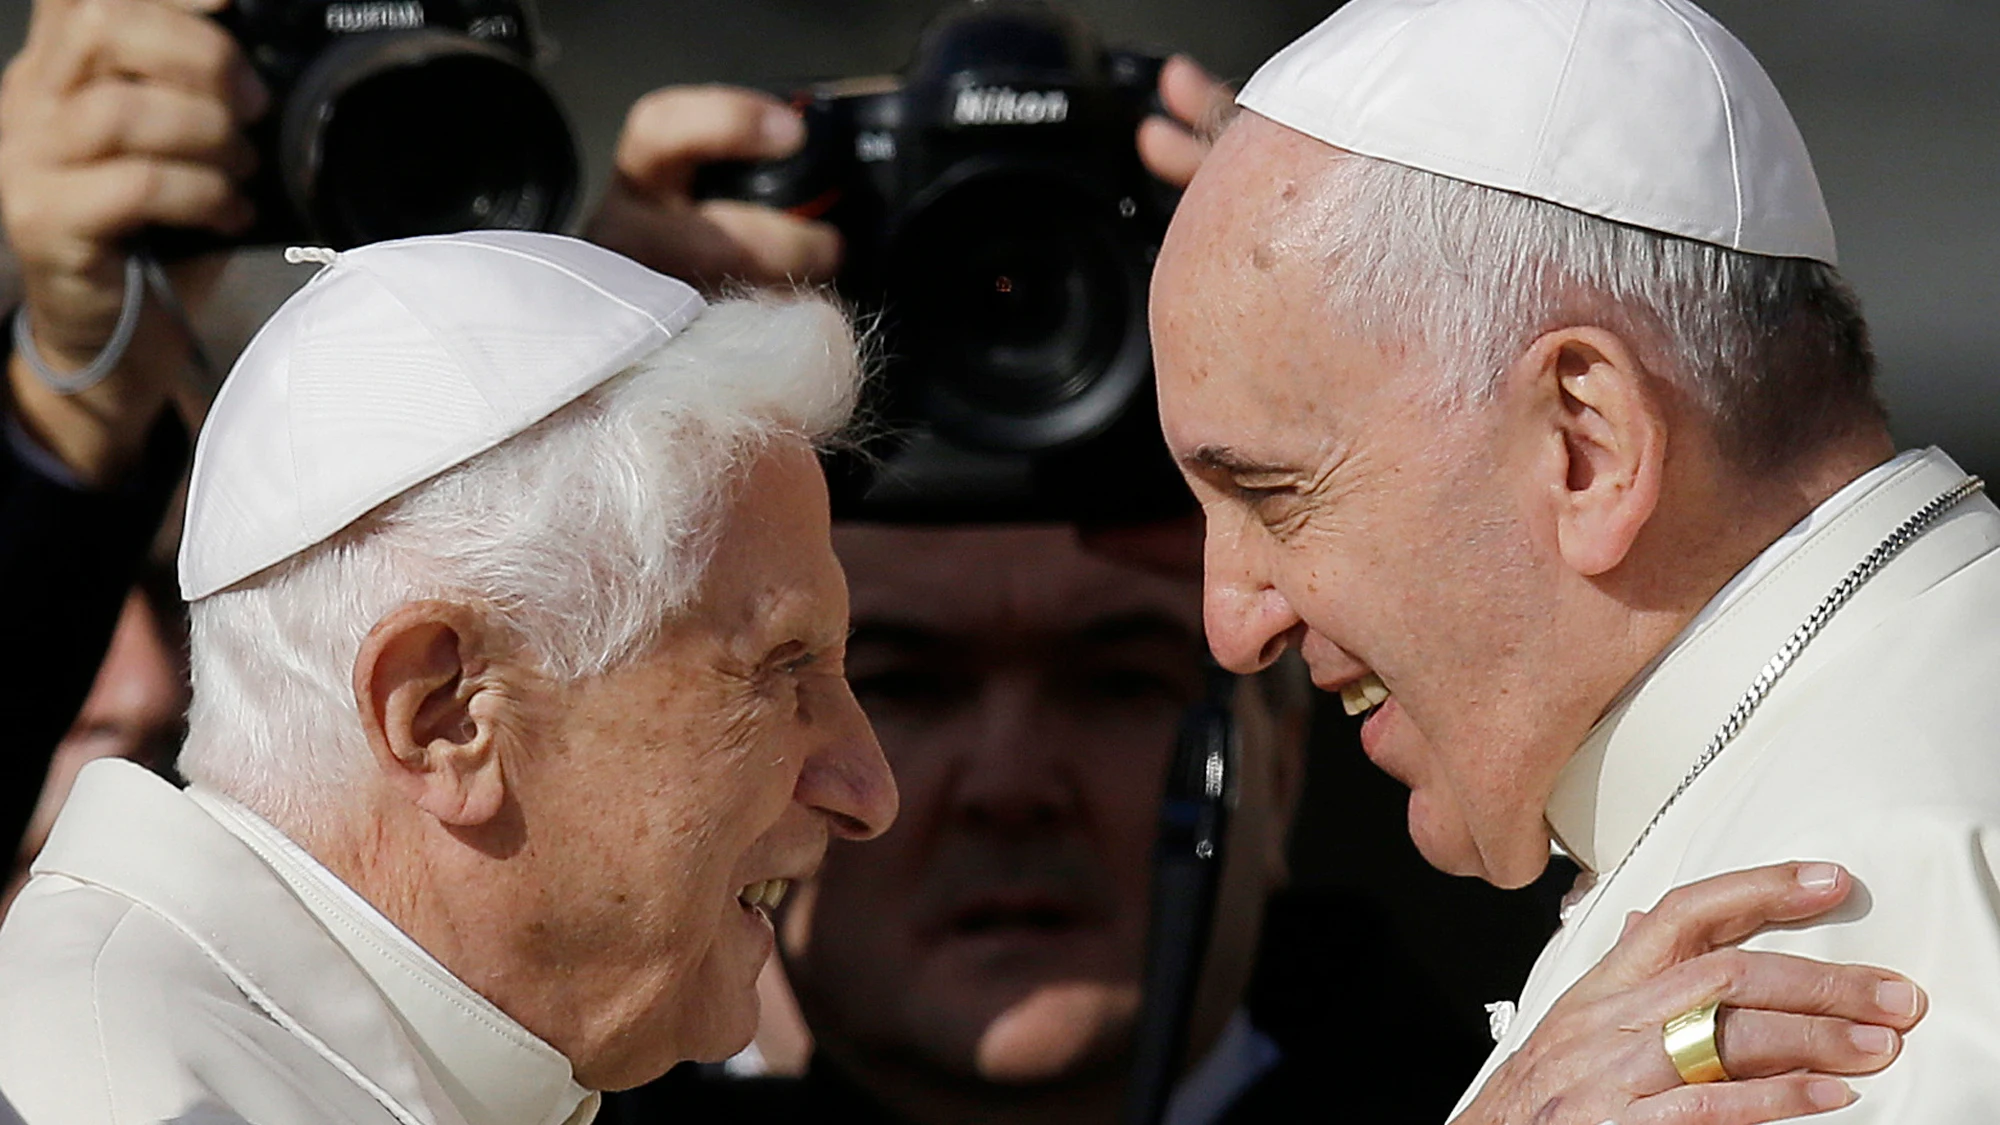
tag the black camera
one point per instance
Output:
(1000, 230)
(392, 118)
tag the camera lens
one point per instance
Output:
(1019, 306)
(401, 134)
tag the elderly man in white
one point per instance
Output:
(1503, 343)
(496, 779)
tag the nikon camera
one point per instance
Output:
(392, 118)
(1000, 231)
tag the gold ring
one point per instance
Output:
(1690, 1043)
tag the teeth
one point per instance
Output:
(765, 894)
(1364, 693)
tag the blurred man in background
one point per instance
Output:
(136, 709)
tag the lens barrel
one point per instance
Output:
(398, 133)
(1019, 302)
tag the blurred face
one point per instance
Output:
(136, 709)
(1027, 693)
(669, 797)
(1351, 517)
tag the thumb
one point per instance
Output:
(671, 132)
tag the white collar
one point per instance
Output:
(127, 830)
(1637, 754)
(495, 1071)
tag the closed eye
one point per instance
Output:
(1257, 493)
(790, 659)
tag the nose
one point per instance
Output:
(847, 779)
(1249, 623)
(1007, 773)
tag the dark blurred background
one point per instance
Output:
(1899, 101)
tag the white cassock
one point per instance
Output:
(1879, 750)
(176, 958)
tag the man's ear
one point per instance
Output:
(431, 714)
(1602, 429)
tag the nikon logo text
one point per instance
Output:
(1003, 105)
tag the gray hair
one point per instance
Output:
(1773, 350)
(582, 534)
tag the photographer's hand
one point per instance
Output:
(116, 115)
(1173, 148)
(648, 213)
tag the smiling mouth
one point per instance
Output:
(1363, 695)
(763, 896)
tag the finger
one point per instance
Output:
(1195, 97)
(1741, 1103)
(203, 7)
(1169, 152)
(115, 197)
(1186, 89)
(671, 132)
(1756, 1044)
(1780, 982)
(775, 247)
(1714, 912)
(153, 42)
(114, 118)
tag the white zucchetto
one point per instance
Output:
(1647, 112)
(396, 362)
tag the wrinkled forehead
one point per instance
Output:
(1002, 578)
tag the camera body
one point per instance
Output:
(1000, 231)
(392, 118)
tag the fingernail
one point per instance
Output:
(1818, 876)
(1897, 997)
(1828, 1093)
(784, 131)
(1872, 1040)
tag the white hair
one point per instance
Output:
(583, 534)
(1774, 350)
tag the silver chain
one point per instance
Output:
(1788, 653)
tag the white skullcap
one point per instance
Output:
(397, 362)
(1647, 112)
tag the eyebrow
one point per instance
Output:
(1221, 458)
